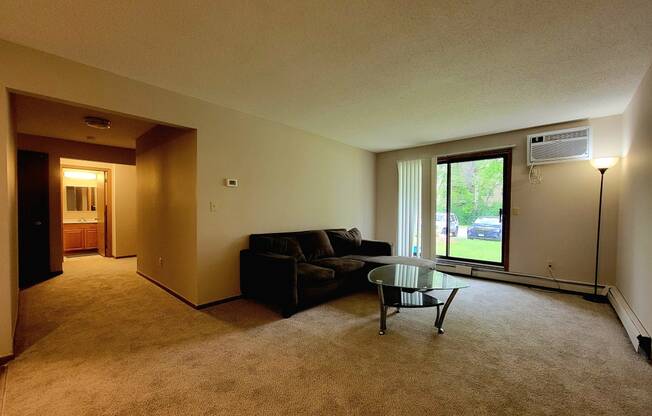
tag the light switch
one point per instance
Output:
(212, 206)
(516, 210)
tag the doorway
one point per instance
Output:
(68, 135)
(86, 210)
(473, 197)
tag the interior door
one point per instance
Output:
(33, 218)
(473, 196)
(101, 213)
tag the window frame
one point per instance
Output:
(506, 155)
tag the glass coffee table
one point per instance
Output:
(403, 286)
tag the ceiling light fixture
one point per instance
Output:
(97, 122)
(79, 175)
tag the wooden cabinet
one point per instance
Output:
(73, 238)
(79, 236)
(90, 237)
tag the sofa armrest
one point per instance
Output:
(375, 248)
(271, 277)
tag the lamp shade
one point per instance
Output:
(604, 162)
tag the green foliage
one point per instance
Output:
(476, 189)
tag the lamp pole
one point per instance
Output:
(594, 297)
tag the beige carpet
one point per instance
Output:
(101, 340)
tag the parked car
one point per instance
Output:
(486, 228)
(440, 223)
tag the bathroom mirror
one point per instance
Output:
(80, 198)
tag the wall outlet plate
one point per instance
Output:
(231, 183)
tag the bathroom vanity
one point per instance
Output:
(78, 236)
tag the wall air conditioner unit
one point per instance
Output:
(559, 146)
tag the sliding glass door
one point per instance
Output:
(473, 199)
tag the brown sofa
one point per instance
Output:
(297, 269)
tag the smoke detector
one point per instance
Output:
(97, 123)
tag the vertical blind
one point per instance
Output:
(409, 208)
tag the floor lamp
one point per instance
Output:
(601, 165)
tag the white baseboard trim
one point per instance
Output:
(524, 279)
(637, 334)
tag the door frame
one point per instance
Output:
(506, 154)
(108, 202)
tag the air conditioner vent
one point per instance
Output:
(559, 146)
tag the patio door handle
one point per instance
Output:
(500, 215)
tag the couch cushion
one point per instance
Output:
(340, 265)
(286, 246)
(311, 275)
(345, 242)
(315, 245)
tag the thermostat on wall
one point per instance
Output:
(231, 183)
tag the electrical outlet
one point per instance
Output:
(549, 263)
(212, 206)
(160, 261)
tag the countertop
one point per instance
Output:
(80, 221)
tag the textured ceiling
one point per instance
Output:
(63, 121)
(375, 74)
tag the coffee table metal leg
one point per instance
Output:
(437, 317)
(383, 310)
(440, 317)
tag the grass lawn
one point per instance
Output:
(471, 249)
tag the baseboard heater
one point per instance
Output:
(457, 269)
(520, 278)
(637, 334)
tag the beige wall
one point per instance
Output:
(635, 221)
(124, 211)
(8, 228)
(557, 218)
(289, 180)
(167, 199)
(12, 187)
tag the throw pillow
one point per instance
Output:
(315, 245)
(345, 242)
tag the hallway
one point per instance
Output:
(90, 285)
(99, 339)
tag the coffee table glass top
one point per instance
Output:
(412, 277)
